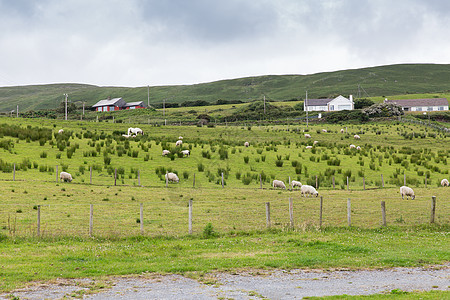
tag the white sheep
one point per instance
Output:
(60, 131)
(179, 143)
(165, 152)
(295, 183)
(352, 146)
(135, 131)
(342, 130)
(407, 191)
(185, 152)
(278, 183)
(358, 148)
(172, 177)
(126, 135)
(180, 137)
(324, 130)
(356, 137)
(64, 176)
(315, 142)
(444, 182)
(307, 135)
(246, 144)
(308, 147)
(307, 189)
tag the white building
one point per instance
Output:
(432, 104)
(338, 103)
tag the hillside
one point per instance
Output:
(374, 81)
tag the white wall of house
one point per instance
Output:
(341, 103)
(429, 108)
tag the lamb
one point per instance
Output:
(64, 176)
(172, 177)
(307, 189)
(179, 143)
(180, 137)
(308, 147)
(356, 137)
(352, 146)
(295, 183)
(324, 130)
(278, 183)
(246, 144)
(126, 135)
(315, 142)
(342, 130)
(307, 135)
(358, 148)
(185, 152)
(60, 131)
(404, 190)
(444, 182)
(165, 152)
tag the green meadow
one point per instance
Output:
(230, 229)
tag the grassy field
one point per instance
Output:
(229, 224)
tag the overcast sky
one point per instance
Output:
(165, 42)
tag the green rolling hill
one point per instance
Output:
(375, 81)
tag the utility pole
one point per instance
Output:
(17, 111)
(306, 107)
(264, 104)
(164, 107)
(148, 96)
(65, 106)
(83, 108)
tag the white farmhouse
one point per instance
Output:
(432, 104)
(338, 103)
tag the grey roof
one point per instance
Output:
(420, 102)
(110, 102)
(138, 103)
(317, 102)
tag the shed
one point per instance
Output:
(109, 104)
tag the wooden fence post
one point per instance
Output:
(382, 180)
(167, 180)
(115, 176)
(347, 184)
(320, 211)
(38, 220)
(433, 209)
(190, 216)
(268, 214)
(349, 212)
(222, 180)
(91, 219)
(14, 172)
(141, 216)
(56, 173)
(291, 212)
(364, 183)
(90, 175)
(139, 177)
(383, 212)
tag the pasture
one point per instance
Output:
(229, 222)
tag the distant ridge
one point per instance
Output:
(374, 81)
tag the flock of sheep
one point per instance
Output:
(305, 189)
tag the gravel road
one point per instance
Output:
(278, 284)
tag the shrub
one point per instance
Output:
(279, 163)
(200, 167)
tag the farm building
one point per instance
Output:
(338, 103)
(432, 104)
(117, 104)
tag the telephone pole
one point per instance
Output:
(65, 108)
(306, 107)
(148, 96)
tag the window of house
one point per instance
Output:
(331, 107)
(419, 109)
(430, 108)
(441, 108)
(345, 107)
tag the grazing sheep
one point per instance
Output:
(342, 130)
(185, 152)
(64, 176)
(246, 144)
(356, 137)
(126, 135)
(278, 184)
(172, 177)
(180, 137)
(307, 135)
(135, 131)
(165, 152)
(358, 148)
(352, 146)
(61, 131)
(179, 143)
(324, 130)
(307, 189)
(295, 183)
(444, 182)
(308, 147)
(315, 142)
(404, 190)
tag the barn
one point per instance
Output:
(432, 104)
(135, 105)
(338, 103)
